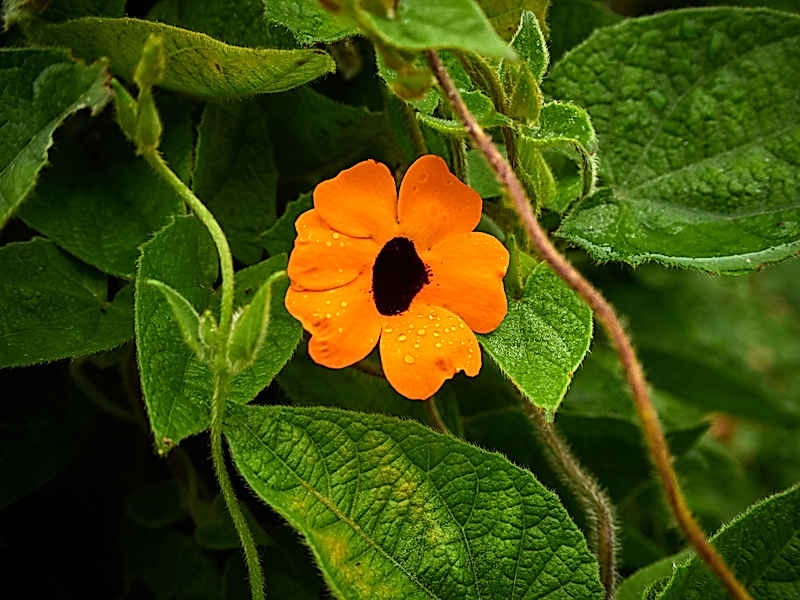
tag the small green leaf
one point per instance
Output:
(126, 109)
(186, 316)
(196, 63)
(392, 509)
(236, 175)
(634, 586)
(420, 25)
(481, 108)
(543, 338)
(280, 237)
(250, 327)
(697, 122)
(41, 88)
(55, 306)
(308, 21)
(504, 15)
(529, 44)
(760, 546)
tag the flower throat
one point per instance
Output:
(397, 276)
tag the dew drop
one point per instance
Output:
(461, 326)
(327, 315)
(341, 330)
(401, 338)
(388, 330)
(335, 235)
(329, 244)
(409, 359)
(438, 344)
(420, 332)
(343, 303)
(435, 334)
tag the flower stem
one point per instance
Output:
(155, 160)
(435, 417)
(654, 436)
(221, 470)
(595, 503)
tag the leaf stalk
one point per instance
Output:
(654, 435)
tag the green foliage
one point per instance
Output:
(308, 21)
(504, 15)
(543, 338)
(684, 185)
(196, 63)
(390, 508)
(761, 548)
(55, 307)
(571, 22)
(41, 88)
(633, 588)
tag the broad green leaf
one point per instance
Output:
(185, 316)
(308, 21)
(392, 509)
(197, 64)
(182, 256)
(157, 504)
(280, 237)
(504, 15)
(480, 176)
(237, 22)
(55, 306)
(41, 88)
(98, 200)
(720, 344)
(760, 546)
(420, 25)
(250, 326)
(177, 386)
(571, 22)
(236, 175)
(695, 112)
(542, 339)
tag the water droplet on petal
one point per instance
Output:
(343, 303)
(409, 359)
(335, 235)
(438, 344)
(401, 338)
(388, 330)
(420, 332)
(329, 243)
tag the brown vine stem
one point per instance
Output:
(595, 503)
(654, 436)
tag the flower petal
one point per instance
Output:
(425, 346)
(434, 203)
(323, 258)
(343, 322)
(360, 201)
(466, 276)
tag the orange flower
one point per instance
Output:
(407, 271)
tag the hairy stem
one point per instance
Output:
(156, 161)
(435, 417)
(654, 436)
(221, 470)
(595, 503)
(420, 147)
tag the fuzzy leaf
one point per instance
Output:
(762, 548)
(392, 509)
(543, 338)
(308, 21)
(280, 237)
(504, 15)
(571, 22)
(529, 43)
(634, 586)
(103, 229)
(196, 63)
(696, 115)
(55, 306)
(184, 314)
(41, 88)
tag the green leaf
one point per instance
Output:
(101, 228)
(177, 386)
(504, 15)
(761, 548)
(280, 237)
(543, 338)
(392, 509)
(55, 306)
(720, 344)
(634, 586)
(695, 111)
(182, 256)
(19, 11)
(185, 315)
(236, 175)
(237, 22)
(196, 63)
(480, 176)
(453, 24)
(250, 327)
(308, 21)
(41, 88)
(528, 42)
(571, 22)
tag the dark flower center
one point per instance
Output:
(397, 276)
